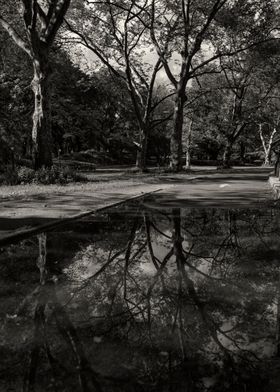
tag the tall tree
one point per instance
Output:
(116, 32)
(195, 35)
(41, 22)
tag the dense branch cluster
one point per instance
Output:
(177, 62)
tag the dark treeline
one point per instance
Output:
(156, 83)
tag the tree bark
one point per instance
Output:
(277, 165)
(266, 146)
(41, 26)
(142, 152)
(227, 155)
(188, 146)
(242, 151)
(176, 150)
(41, 131)
(266, 159)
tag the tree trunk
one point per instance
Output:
(267, 146)
(266, 159)
(176, 150)
(277, 165)
(188, 146)
(41, 131)
(242, 151)
(142, 152)
(227, 155)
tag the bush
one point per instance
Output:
(45, 176)
(25, 175)
(56, 175)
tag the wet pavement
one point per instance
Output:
(241, 187)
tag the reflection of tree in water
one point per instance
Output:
(186, 301)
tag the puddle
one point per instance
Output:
(144, 299)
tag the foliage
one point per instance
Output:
(95, 107)
(25, 175)
(56, 175)
(44, 176)
(9, 177)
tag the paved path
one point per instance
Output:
(242, 188)
(41, 210)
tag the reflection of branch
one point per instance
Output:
(209, 276)
(128, 252)
(225, 334)
(159, 231)
(87, 376)
(159, 272)
(96, 274)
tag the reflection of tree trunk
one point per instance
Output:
(189, 284)
(42, 258)
(39, 319)
(178, 252)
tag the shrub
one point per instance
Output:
(56, 175)
(25, 175)
(45, 176)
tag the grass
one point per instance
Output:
(95, 184)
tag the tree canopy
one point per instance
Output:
(116, 82)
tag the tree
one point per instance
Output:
(200, 33)
(267, 117)
(267, 122)
(41, 23)
(267, 145)
(15, 96)
(236, 101)
(251, 81)
(117, 35)
(89, 111)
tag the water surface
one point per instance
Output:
(144, 299)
